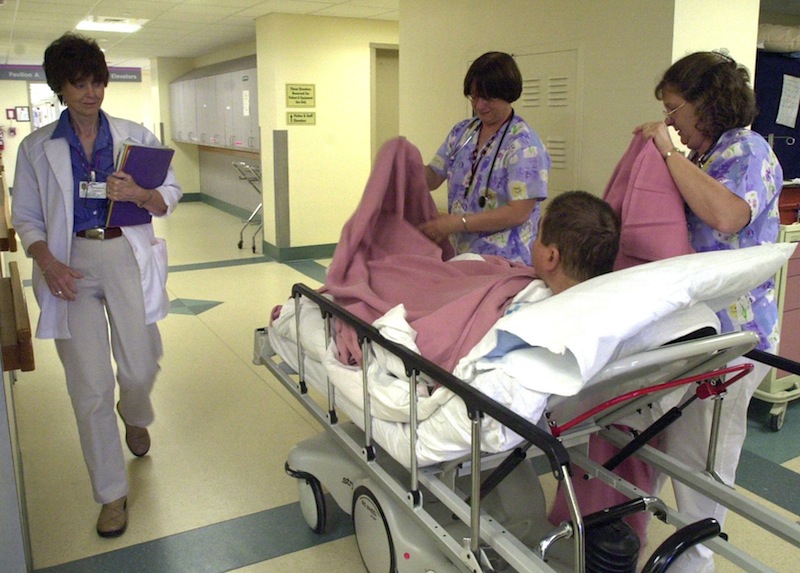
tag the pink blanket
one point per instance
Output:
(382, 260)
(642, 192)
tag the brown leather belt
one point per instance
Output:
(101, 233)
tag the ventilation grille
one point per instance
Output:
(557, 148)
(558, 91)
(531, 93)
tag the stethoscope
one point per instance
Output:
(474, 128)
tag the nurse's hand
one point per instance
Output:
(658, 132)
(439, 229)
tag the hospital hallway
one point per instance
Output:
(212, 495)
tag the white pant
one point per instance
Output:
(687, 441)
(109, 295)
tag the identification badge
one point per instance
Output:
(92, 190)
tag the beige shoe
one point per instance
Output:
(138, 439)
(113, 518)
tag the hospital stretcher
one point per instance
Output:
(253, 176)
(448, 516)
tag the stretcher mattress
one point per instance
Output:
(544, 346)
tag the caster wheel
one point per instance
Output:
(312, 502)
(372, 533)
(240, 243)
(776, 421)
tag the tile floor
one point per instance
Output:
(212, 495)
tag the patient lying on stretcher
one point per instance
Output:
(578, 240)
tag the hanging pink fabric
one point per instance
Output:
(643, 194)
(383, 260)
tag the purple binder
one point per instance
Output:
(148, 166)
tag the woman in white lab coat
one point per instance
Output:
(94, 282)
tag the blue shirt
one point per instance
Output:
(88, 213)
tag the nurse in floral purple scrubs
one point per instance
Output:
(495, 166)
(730, 181)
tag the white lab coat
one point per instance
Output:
(42, 210)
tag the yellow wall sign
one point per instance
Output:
(301, 95)
(301, 118)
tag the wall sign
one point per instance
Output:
(36, 74)
(22, 113)
(301, 118)
(301, 95)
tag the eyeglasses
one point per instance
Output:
(475, 98)
(669, 113)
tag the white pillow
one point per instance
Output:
(591, 319)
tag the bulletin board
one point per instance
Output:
(777, 87)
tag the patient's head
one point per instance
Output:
(578, 239)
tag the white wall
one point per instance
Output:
(700, 26)
(13, 93)
(329, 162)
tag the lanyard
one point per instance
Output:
(479, 157)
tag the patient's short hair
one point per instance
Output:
(585, 230)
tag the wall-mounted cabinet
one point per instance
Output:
(184, 117)
(217, 109)
(243, 87)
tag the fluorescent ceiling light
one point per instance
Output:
(108, 24)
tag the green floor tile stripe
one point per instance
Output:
(220, 547)
(778, 447)
(769, 480)
(256, 260)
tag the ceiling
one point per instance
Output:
(175, 28)
(181, 28)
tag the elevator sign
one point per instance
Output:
(301, 95)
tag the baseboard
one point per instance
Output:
(287, 254)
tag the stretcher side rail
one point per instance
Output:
(477, 405)
(646, 370)
(757, 513)
(779, 362)
(517, 554)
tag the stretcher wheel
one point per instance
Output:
(776, 421)
(372, 533)
(312, 502)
